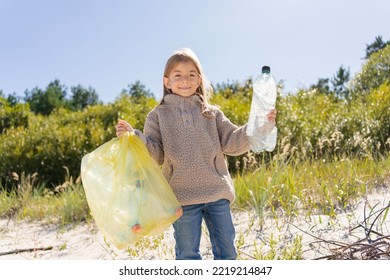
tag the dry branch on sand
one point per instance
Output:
(18, 251)
(366, 248)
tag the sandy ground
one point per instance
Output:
(33, 240)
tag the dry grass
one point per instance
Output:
(374, 246)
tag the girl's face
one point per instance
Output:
(183, 80)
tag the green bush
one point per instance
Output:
(51, 144)
(316, 125)
(311, 125)
(374, 73)
(13, 116)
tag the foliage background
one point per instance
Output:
(313, 124)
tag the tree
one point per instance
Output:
(45, 101)
(340, 81)
(137, 90)
(374, 73)
(377, 45)
(322, 86)
(82, 97)
(12, 99)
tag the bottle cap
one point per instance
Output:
(266, 69)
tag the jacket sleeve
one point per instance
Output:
(233, 139)
(152, 137)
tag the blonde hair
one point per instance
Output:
(204, 91)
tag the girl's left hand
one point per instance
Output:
(272, 116)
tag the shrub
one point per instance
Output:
(13, 116)
(51, 144)
(374, 73)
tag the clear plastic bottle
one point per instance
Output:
(262, 133)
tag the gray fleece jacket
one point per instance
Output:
(191, 148)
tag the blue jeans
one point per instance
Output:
(218, 218)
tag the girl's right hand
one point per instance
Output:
(122, 127)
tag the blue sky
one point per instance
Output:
(110, 44)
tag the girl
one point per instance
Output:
(189, 138)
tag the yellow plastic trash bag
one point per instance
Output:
(126, 191)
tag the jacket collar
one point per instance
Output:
(174, 99)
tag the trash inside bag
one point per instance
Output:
(126, 191)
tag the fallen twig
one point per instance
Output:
(364, 249)
(17, 251)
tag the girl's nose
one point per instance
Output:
(185, 79)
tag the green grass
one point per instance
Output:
(32, 201)
(284, 190)
(309, 187)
